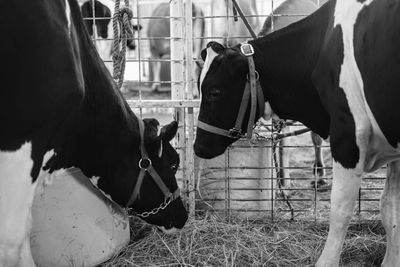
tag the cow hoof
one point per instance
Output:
(321, 185)
(155, 88)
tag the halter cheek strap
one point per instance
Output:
(146, 165)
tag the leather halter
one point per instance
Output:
(145, 165)
(252, 93)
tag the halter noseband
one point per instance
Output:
(145, 165)
(252, 92)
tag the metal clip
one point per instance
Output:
(247, 49)
(144, 164)
(235, 133)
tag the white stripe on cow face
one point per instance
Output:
(16, 197)
(68, 14)
(207, 63)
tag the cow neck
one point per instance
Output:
(103, 135)
(253, 97)
(286, 60)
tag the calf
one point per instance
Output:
(335, 71)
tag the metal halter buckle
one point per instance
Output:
(235, 133)
(247, 49)
(144, 166)
(256, 74)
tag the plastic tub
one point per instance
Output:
(74, 224)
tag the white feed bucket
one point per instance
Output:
(74, 224)
(239, 182)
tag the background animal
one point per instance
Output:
(159, 34)
(231, 31)
(103, 14)
(60, 108)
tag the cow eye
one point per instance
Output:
(174, 167)
(214, 93)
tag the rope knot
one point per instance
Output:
(278, 125)
(125, 11)
(123, 30)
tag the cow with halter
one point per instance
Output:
(60, 108)
(335, 71)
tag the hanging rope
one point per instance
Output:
(123, 30)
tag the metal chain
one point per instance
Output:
(154, 211)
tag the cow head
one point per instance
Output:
(101, 16)
(222, 83)
(150, 201)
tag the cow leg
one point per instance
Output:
(16, 197)
(157, 76)
(318, 167)
(318, 161)
(390, 210)
(345, 186)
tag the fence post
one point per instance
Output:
(177, 79)
(189, 82)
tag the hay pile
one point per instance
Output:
(214, 242)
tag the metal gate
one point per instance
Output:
(180, 101)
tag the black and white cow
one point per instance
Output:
(337, 72)
(102, 18)
(59, 108)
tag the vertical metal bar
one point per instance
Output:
(139, 51)
(227, 186)
(272, 15)
(190, 116)
(273, 170)
(228, 31)
(359, 201)
(315, 199)
(93, 18)
(178, 76)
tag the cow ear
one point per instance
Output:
(203, 54)
(216, 47)
(168, 131)
(151, 130)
